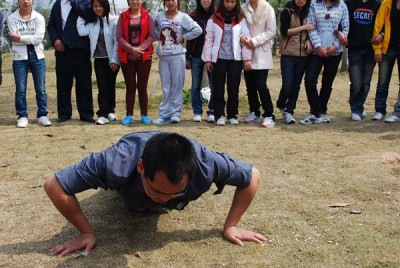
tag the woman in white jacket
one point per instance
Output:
(224, 56)
(104, 50)
(27, 28)
(260, 17)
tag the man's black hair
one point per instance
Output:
(169, 152)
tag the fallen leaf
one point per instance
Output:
(83, 147)
(35, 186)
(340, 205)
(138, 254)
(354, 211)
(6, 165)
(49, 135)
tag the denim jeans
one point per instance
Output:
(292, 71)
(38, 70)
(397, 106)
(385, 74)
(257, 91)
(197, 76)
(361, 68)
(319, 101)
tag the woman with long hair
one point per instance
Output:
(103, 48)
(173, 27)
(294, 48)
(328, 16)
(135, 36)
(225, 57)
(260, 17)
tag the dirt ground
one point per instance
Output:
(305, 169)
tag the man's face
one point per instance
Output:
(161, 190)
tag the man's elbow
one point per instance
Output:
(49, 183)
(256, 177)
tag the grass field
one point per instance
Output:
(305, 170)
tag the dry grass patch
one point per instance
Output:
(304, 170)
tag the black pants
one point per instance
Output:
(257, 91)
(319, 102)
(228, 71)
(69, 64)
(106, 83)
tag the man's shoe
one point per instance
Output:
(325, 118)
(252, 118)
(268, 122)
(175, 119)
(102, 121)
(44, 121)
(112, 117)
(378, 116)
(22, 122)
(88, 119)
(288, 117)
(210, 118)
(60, 120)
(161, 121)
(221, 121)
(127, 120)
(355, 117)
(233, 121)
(363, 115)
(392, 119)
(197, 118)
(311, 119)
(145, 119)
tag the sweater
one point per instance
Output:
(362, 19)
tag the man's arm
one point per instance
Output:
(69, 207)
(241, 201)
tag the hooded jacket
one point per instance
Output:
(31, 32)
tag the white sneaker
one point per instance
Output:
(44, 121)
(392, 119)
(112, 117)
(102, 121)
(363, 115)
(175, 119)
(325, 118)
(252, 118)
(197, 118)
(210, 118)
(268, 122)
(310, 119)
(221, 121)
(355, 117)
(288, 117)
(233, 121)
(22, 122)
(377, 116)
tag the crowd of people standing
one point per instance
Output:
(225, 39)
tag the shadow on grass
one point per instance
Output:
(118, 233)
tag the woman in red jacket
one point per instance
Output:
(135, 35)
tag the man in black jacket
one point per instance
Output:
(72, 58)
